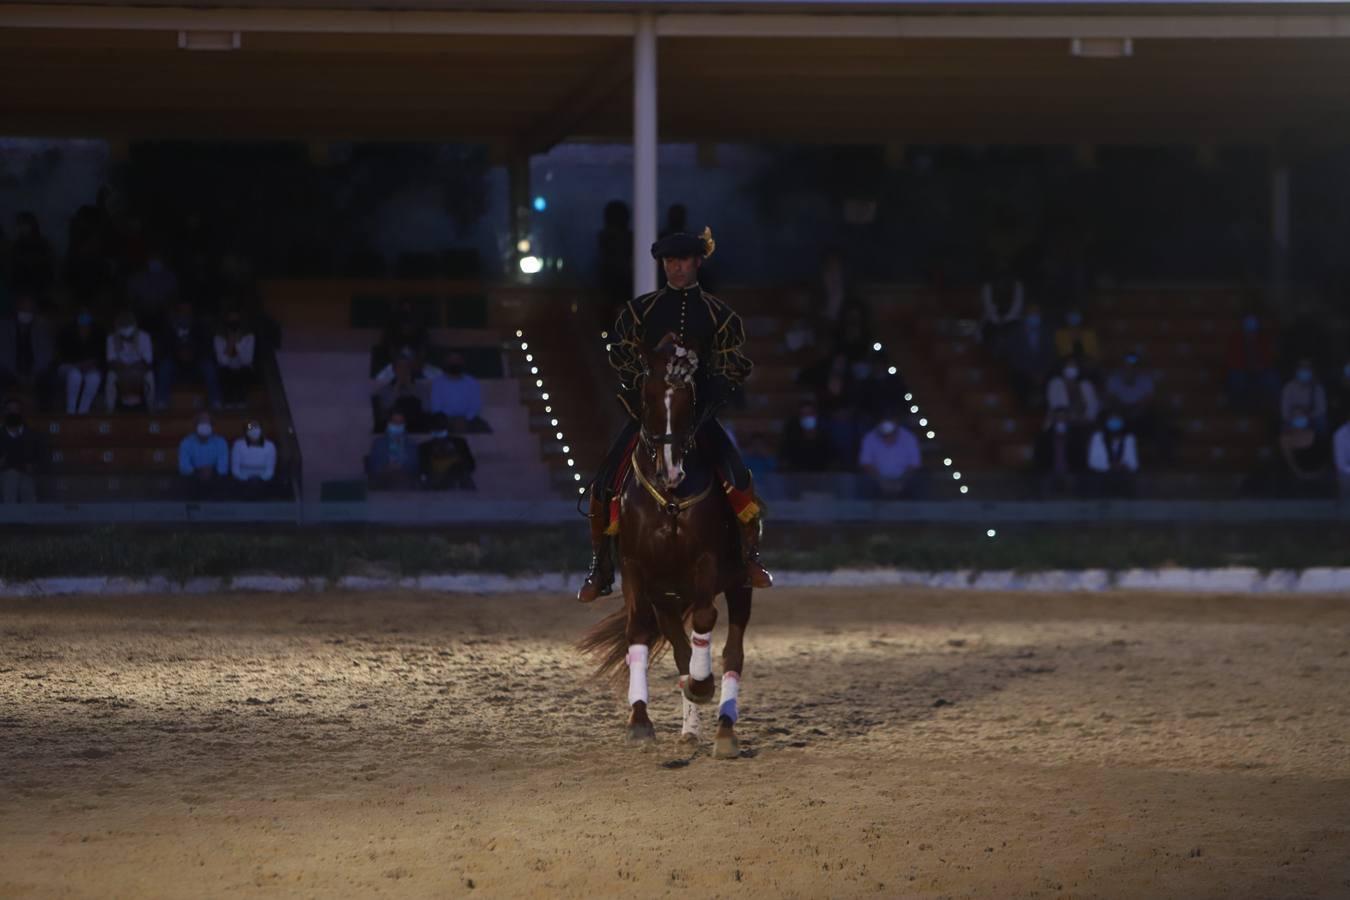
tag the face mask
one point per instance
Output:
(887, 428)
(1250, 324)
(13, 421)
(25, 318)
(1061, 428)
(84, 320)
(1305, 375)
(254, 434)
(204, 430)
(1074, 319)
(395, 430)
(1114, 424)
(128, 332)
(1071, 373)
(440, 435)
(809, 422)
(1300, 422)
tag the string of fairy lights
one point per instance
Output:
(548, 407)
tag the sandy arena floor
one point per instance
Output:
(386, 745)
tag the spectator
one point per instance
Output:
(130, 355)
(804, 447)
(1071, 391)
(1304, 396)
(20, 455)
(1130, 390)
(185, 351)
(1002, 299)
(891, 459)
(25, 346)
(234, 361)
(253, 462)
(1113, 458)
(405, 334)
(1341, 454)
(1030, 354)
(404, 386)
(203, 460)
(1077, 341)
(152, 292)
(392, 463)
(444, 461)
(31, 267)
(759, 458)
(831, 293)
(80, 352)
(458, 396)
(1059, 452)
(1252, 378)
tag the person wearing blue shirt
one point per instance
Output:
(459, 397)
(393, 460)
(203, 460)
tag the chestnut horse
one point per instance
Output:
(678, 549)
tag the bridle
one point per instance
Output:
(679, 374)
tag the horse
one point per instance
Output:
(678, 548)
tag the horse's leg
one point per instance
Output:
(641, 630)
(672, 626)
(699, 687)
(726, 745)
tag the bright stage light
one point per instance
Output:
(519, 333)
(947, 461)
(956, 476)
(914, 408)
(991, 532)
(891, 370)
(877, 346)
(523, 245)
(932, 435)
(965, 489)
(540, 204)
(531, 265)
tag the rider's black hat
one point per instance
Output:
(681, 244)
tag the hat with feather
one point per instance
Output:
(681, 244)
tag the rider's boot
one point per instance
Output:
(600, 581)
(756, 575)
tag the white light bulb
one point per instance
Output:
(531, 265)
(534, 370)
(914, 409)
(877, 346)
(519, 333)
(923, 423)
(964, 489)
(566, 449)
(544, 396)
(548, 409)
(577, 476)
(523, 245)
(571, 462)
(932, 435)
(991, 532)
(947, 461)
(529, 357)
(553, 422)
(559, 435)
(581, 490)
(909, 397)
(956, 476)
(539, 382)
(891, 370)
(524, 346)
(604, 335)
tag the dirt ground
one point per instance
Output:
(896, 744)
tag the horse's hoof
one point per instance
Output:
(726, 747)
(641, 734)
(695, 693)
(688, 739)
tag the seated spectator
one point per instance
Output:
(1130, 390)
(1303, 448)
(444, 461)
(21, 454)
(1030, 354)
(458, 396)
(1341, 457)
(1077, 341)
(185, 351)
(891, 460)
(1002, 299)
(253, 462)
(234, 360)
(25, 346)
(803, 446)
(392, 463)
(403, 385)
(404, 334)
(1113, 458)
(152, 291)
(1059, 454)
(203, 460)
(1304, 395)
(80, 352)
(1070, 391)
(759, 458)
(1252, 379)
(32, 269)
(130, 355)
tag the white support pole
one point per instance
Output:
(644, 153)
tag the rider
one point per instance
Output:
(713, 331)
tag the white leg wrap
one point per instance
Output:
(637, 673)
(692, 722)
(731, 689)
(700, 662)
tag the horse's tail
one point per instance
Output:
(607, 644)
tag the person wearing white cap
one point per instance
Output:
(891, 458)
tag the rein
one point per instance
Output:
(672, 507)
